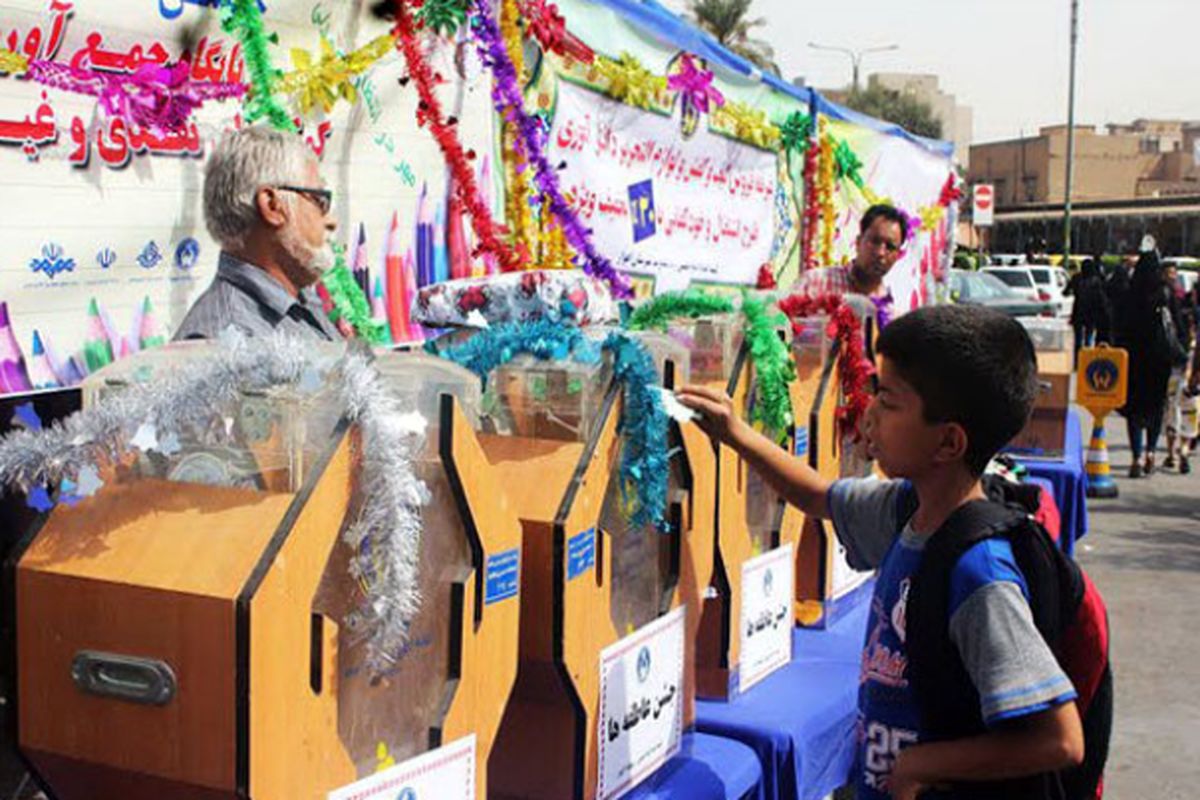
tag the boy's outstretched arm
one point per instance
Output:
(1042, 742)
(798, 483)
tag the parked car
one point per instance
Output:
(1007, 260)
(984, 289)
(1050, 282)
(1019, 279)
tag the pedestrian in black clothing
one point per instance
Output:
(1116, 289)
(1149, 360)
(1090, 312)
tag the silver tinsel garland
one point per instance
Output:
(389, 521)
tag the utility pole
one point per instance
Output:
(855, 56)
(1070, 136)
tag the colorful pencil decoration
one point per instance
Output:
(13, 377)
(487, 265)
(441, 255)
(41, 371)
(149, 331)
(379, 304)
(76, 370)
(415, 331)
(360, 263)
(458, 250)
(397, 305)
(97, 347)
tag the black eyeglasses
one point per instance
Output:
(322, 197)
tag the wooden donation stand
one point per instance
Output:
(454, 676)
(822, 575)
(1045, 435)
(586, 577)
(746, 509)
(192, 629)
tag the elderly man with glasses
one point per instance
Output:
(882, 234)
(266, 205)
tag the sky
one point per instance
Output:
(1007, 59)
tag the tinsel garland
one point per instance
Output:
(349, 302)
(13, 63)
(773, 367)
(519, 199)
(243, 19)
(429, 113)
(748, 124)
(322, 81)
(548, 27)
(795, 133)
(848, 164)
(827, 183)
(187, 399)
(154, 97)
(509, 102)
(644, 455)
(656, 314)
(812, 208)
(628, 81)
(883, 309)
(854, 368)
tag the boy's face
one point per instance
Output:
(899, 437)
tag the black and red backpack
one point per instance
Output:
(1067, 610)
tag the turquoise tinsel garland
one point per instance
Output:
(644, 455)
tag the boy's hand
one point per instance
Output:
(717, 416)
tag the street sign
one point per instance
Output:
(1102, 379)
(984, 203)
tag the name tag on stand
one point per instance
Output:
(447, 773)
(765, 625)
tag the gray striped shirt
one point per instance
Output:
(250, 300)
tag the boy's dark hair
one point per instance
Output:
(968, 365)
(884, 211)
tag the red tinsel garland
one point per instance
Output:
(812, 208)
(854, 368)
(429, 114)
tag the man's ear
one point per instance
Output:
(271, 207)
(953, 444)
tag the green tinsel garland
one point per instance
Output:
(243, 20)
(349, 302)
(773, 367)
(657, 313)
(443, 17)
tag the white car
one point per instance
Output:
(1051, 281)
(1019, 279)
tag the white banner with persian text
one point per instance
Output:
(766, 619)
(447, 773)
(673, 207)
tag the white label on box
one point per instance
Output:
(447, 773)
(641, 703)
(766, 619)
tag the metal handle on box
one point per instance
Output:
(136, 680)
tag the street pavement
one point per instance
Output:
(1143, 552)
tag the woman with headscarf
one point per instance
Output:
(1089, 313)
(1149, 361)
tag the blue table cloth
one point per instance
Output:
(800, 720)
(1068, 477)
(706, 768)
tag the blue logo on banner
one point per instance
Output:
(641, 206)
(801, 448)
(150, 256)
(502, 576)
(581, 553)
(187, 253)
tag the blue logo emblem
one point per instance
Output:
(150, 256)
(768, 582)
(187, 253)
(106, 258)
(643, 664)
(641, 207)
(407, 793)
(52, 262)
(1102, 375)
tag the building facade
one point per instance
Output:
(1132, 179)
(957, 120)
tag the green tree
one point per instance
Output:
(729, 23)
(903, 109)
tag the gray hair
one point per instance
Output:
(243, 162)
